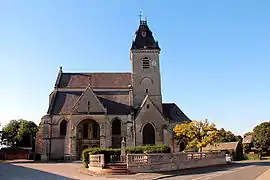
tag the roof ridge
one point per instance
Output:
(52, 102)
(97, 72)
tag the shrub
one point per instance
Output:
(252, 156)
(148, 149)
(117, 151)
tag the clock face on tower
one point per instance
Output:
(143, 34)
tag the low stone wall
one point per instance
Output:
(173, 161)
(97, 160)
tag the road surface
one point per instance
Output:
(256, 170)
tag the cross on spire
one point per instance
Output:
(141, 19)
(140, 15)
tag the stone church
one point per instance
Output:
(103, 109)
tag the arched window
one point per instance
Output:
(116, 127)
(146, 63)
(88, 129)
(116, 133)
(149, 135)
(63, 128)
(95, 130)
(181, 146)
(85, 131)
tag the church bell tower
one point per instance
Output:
(144, 56)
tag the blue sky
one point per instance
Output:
(214, 60)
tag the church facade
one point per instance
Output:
(103, 109)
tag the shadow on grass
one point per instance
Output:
(13, 172)
(212, 169)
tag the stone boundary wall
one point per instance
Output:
(97, 160)
(138, 163)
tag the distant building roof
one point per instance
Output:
(221, 146)
(247, 139)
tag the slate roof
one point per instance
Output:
(114, 107)
(247, 139)
(172, 112)
(95, 80)
(221, 146)
(116, 102)
(144, 42)
(64, 102)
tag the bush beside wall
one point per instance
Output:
(252, 156)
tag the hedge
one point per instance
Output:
(252, 156)
(113, 151)
(148, 149)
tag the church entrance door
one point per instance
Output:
(149, 135)
(88, 135)
(116, 133)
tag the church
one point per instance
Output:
(103, 109)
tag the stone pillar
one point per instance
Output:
(167, 137)
(123, 151)
(71, 149)
(130, 132)
(44, 155)
(102, 140)
(159, 137)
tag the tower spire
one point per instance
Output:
(141, 19)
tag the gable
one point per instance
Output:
(148, 112)
(64, 102)
(88, 103)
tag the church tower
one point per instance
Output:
(144, 56)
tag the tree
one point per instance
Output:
(227, 136)
(248, 133)
(261, 137)
(197, 134)
(19, 133)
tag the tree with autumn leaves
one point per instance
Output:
(197, 134)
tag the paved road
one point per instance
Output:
(239, 171)
(69, 171)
